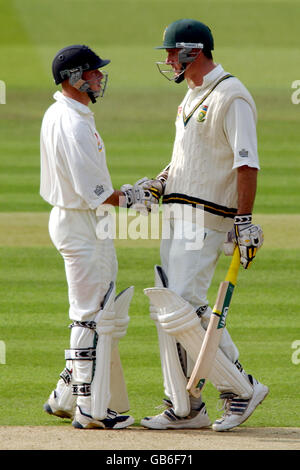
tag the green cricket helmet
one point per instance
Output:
(190, 37)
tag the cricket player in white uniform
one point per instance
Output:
(213, 173)
(76, 182)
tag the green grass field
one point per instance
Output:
(255, 40)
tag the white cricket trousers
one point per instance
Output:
(190, 271)
(90, 263)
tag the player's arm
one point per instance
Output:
(240, 128)
(163, 176)
(117, 198)
(246, 186)
(90, 178)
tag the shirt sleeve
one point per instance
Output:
(240, 129)
(86, 166)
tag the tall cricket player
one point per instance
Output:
(76, 182)
(213, 171)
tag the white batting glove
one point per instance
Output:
(248, 237)
(139, 198)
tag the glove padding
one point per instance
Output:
(155, 186)
(247, 236)
(139, 198)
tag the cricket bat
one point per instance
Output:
(215, 328)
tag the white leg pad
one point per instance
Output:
(82, 343)
(100, 387)
(119, 400)
(119, 397)
(122, 303)
(65, 398)
(179, 319)
(174, 378)
(161, 282)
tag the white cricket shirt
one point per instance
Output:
(239, 122)
(74, 173)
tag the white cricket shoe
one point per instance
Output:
(237, 410)
(112, 421)
(52, 408)
(169, 420)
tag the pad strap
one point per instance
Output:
(82, 354)
(84, 324)
(201, 310)
(81, 390)
(66, 376)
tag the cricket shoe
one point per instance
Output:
(52, 408)
(169, 420)
(113, 420)
(237, 409)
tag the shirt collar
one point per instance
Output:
(210, 77)
(81, 108)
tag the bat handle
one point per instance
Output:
(233, 269)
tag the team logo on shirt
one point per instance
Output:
(99, 190)
(179, 111)
(202, 113)
(243, 153)
(99, 143)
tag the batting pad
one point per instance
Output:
(174, 378)
(122, 303)
(119, 398)
(65, 399)
(179, 319)
(100, 387)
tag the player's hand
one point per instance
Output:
(156, 186)
(138, 198)
(248, 237)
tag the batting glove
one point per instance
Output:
(248, 237)
(139, 198)
(156, 186)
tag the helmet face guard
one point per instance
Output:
(75, 79)
(71, 62)
(186, 56)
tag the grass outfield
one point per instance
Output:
(255, 40)
(34, 316)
